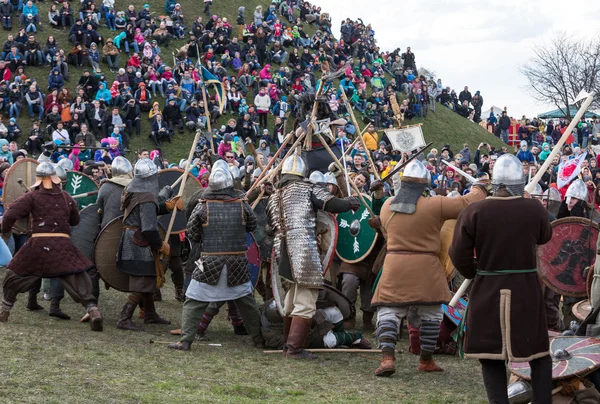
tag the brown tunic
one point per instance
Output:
(412, 272)
(506, 317)
(50, 211)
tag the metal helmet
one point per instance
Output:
(316, 177)
(330, 179)
(235, 172)
(121, 166)
(294, 165)
(416, 169)
(145, 168)
(453, 194)
(520, 392)
(182, 163)
(256, 173)
(537, 190)
(61, 173)
(554, 194)
(45, 170)
(577, 190)
(242, 171)
(508, 172)
(272, 313)
(67, 164)
(220, 164)
(220, 178)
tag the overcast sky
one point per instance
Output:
(479, 43)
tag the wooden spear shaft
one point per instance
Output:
(352, 184)
(263, 174)
(367, 151)
(332, 350)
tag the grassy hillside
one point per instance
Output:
(441, 127)
(446, 127)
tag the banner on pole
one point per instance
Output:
(406, 139)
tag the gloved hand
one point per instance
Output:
(165, 249)
(375, 222)
(484, 185)
(165, 193)
(354, 203)
(173, 203)
(376, 185)
(334, 169)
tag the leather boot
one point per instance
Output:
(180, 346)
(429, 366)
(350, 324)
(32, 304)
(386, 367)
(125, 322)
(150, 314)
(157, 295)
(362, 344)
(55, 310)
(239, 330)
(96, 322)
(179, 294)
(368, 321)
(296, 341)
(287, 324)
(4, 316)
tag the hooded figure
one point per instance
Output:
(5, 153)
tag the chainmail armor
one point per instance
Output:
(291, 213)
(220, 228)
(514, 190)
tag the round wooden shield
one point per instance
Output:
(169, 177)
(327, 237)
(80, 184)
(563, 260)
(19, 177)
(356, 238)
(84, 234)
(582, 309)
(583, 358)
(253, 256)
(105, 254)
(446, 235)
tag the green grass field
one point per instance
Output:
(45, 360)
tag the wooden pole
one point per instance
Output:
(308, 139)
(352, 184)
(529, 188)
(367, 151)
(261, 177)
(207, 115)
(332, 350)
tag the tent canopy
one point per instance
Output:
(497, 111)
(557, 113)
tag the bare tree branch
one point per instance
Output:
(560, 69)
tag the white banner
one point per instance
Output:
(406, 139)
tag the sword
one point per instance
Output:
(469, 178)
(401, 166)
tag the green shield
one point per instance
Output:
(78, 185)
(356, 238)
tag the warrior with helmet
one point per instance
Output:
(412, 274)
(576, 201)
(109, 195)
(141, 241)
(505, 320)
(218, 224)
(291, 213)
(52, 212)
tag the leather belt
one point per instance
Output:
(402, 252)
(64, 235)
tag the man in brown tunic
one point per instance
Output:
(49, 253)
(412, 273)
(505, 317)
